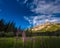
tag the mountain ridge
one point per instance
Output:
(48, 26)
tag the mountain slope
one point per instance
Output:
(46, 27)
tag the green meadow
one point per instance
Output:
(31, 42)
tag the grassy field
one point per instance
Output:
(34, 42)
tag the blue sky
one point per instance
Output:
(27, 13)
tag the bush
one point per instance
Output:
(20, 34)
(9, 34)
(2, 34)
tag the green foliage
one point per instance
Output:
(1, 25)
(9, 34)
(28, 32)
(10, 43)
(2, 34)
(7, 27)
(36, 42)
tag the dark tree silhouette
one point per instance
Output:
(9, 28)
(2, 25)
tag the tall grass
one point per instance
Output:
(34, 42)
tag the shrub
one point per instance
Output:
(2, 34)
(9, 34)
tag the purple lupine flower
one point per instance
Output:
(23, 36)
(16, 38)
(17, 33)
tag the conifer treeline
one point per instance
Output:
(7, 27)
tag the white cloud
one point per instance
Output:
(42, 6)
(53, 20)
(40, 19)
(28, 19)
(25, 1)
(22, 2)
